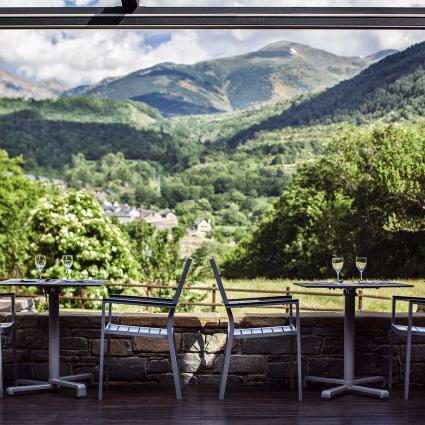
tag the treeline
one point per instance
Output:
(51, 143)
(365, 196)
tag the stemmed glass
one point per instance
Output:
(337, 264)
(67, 261)
(40, 263)
(361, 265)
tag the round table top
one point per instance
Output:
(353, 285)
(49, 283)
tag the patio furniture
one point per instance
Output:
(52, 288)
(348, 383)
(7, 328)
(404, 331)
(290, 330)
(167, 333)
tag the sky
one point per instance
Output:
(87, 56)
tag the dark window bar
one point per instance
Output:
(212, 17)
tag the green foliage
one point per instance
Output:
(18, 195)
(157, 252)
(75, 224)
(365, 196)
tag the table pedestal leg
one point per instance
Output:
(349, 383)
(55, 380)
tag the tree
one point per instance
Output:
(157, 252)
(18, 195)
(364, 196)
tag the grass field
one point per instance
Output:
(310, 300)
(331, 299)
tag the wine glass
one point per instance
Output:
(40, 263)
(361, 265)
(337, 264)
(67, 261)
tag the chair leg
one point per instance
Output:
(407, 367)
(102, 355)
(1, 372)
(108, 361)
(175, 365)
(390, 366)
(15, 358)
(299, 365)
(226, 364)
(292, 360)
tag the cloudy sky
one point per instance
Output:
(78, 57)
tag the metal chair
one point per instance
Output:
(241, 333)
(133, 331)
(5, 329)
(404, 331)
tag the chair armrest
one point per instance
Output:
(147, 302)
(136, 297)
(260, 301)
(414, 300)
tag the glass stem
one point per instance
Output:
(337, 277)
(361, 276)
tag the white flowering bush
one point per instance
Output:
(74, 223)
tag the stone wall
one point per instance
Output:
(201, 339)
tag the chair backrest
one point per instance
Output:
(219, 282)
(182, 280)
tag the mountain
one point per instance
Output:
(279, 71)
(390, 90)
(12, 86)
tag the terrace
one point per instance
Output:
(260, 373)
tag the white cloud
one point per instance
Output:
(76, 57)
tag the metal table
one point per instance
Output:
(349, 383)
(52, 288)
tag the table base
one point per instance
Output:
(29, 385)
(345, 387)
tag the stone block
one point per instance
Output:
(153, 345)
(279, 370)
(73, 343)
(267, 345)
(255, 379)
(128, 369)
(240, 363)
(119, 347)
(187, 378)
(193, 362)
(325, 366)
(333, 345)
(216, 342)
(33, 339)
(193, 342)
(158, 366)
(310, 344)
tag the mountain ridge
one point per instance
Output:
(279, 71)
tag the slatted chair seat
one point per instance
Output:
(266, 331)
(403, 329)
(6, 327)
(115, 329)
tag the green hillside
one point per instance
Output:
(86, 110)
(390, 90)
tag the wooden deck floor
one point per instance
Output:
(244, 405)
